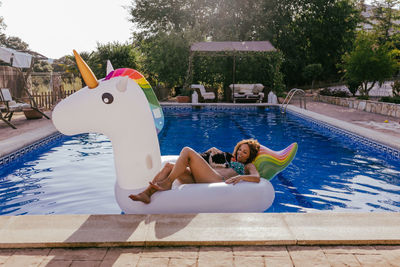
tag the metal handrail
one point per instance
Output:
(290, 96)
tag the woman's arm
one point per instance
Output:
(251, 175)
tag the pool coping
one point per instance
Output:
(358, 130)
(23, 140)
(203, 229)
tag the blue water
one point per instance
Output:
(76, 175)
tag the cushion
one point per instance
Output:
(247, 88)
(269, 163)
(258, 88)
(208, 95)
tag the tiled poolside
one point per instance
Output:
(306, 239)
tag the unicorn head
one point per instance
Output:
(123, 107)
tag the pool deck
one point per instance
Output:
(268, 239)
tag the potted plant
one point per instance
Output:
(32, 114)
(184, 97)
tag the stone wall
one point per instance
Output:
(388, 109)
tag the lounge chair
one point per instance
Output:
(247, 92)
(202, 93)
(9, 106)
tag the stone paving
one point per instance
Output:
(23, 125)
(364, 119)
(253, 256)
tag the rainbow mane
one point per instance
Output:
(269, 162)
(147, 90)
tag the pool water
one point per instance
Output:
(76, 174)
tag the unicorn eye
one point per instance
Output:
(107, 98)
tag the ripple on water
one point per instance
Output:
(328, 174)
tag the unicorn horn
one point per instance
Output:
(87, 74)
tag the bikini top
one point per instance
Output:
(237, 167)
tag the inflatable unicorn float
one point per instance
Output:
(123, 107)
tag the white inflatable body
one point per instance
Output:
(194, 198)
(118, 107)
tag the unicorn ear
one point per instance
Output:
(122, 84)
(109, 67)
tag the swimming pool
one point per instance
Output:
(75, 175)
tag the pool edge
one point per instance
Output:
(355, 129)
(175, 230)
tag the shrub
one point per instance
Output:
(388, 99)
(353, 86)
(311, 73)
(363, 97)
(332, 92)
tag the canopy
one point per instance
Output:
(11, 77)
(252, 46)
(15, 58)
(230, 48)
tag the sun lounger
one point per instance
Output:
(8, 106)
(202, 93)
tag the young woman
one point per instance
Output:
(190, 167)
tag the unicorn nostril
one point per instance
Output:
(149, 162)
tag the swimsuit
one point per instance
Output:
(237, 167)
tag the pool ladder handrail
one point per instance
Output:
(290, 96)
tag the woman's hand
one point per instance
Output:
(214, 150)
(234, 180)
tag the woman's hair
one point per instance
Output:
(254, 146)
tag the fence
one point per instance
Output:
(48, 99)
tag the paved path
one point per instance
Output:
(361, 118)
(251, 256)
(27, 132)
(23, 125)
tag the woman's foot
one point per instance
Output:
(145, 198)
(163, 185)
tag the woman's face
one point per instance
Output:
(243, 153)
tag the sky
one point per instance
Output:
(55, 27)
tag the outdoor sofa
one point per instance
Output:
(247, 92)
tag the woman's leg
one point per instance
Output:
(186, 178)
(200, 170)
(146, 194)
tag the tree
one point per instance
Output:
(42, 66)
(13, 42)
(385, 19)
(120, 55)
(309, 31)
(237, 20)
(311, 73)
(368, 63)
(68, 65)
(155, 16)
(233, 20)
(2, 24)
(168, 28)
(165, 57)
